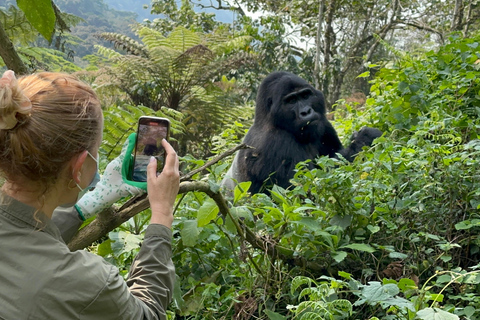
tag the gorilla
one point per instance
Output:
(290, 126)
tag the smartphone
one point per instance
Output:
(150, 132)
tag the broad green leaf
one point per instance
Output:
(436, 314)
(375, 292)
(405, 284)
(469, 311)
(345, 275)
(397, 255)
(339, 256)
(241, 190)
(360, 247)
(105, 248)
(189, 233)
(243, 213)
(207, 212)
(40, 14)
(123, 241)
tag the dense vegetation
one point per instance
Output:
(393, 235)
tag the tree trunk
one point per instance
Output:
(327, 52)
(457, 16)
(318, 40)
(9, 54)
(468, 20)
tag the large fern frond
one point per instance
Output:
(107, 52)
(125, 43)
(183, 39)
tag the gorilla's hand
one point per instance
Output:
(365, 136)
(360, 139)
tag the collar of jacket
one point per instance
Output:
(26, 216)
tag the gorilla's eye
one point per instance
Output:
(291, 98)
(305, 93)
(302, 94)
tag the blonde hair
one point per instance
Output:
(65, 119)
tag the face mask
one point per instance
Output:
(92, 184)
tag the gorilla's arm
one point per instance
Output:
(271, 160)
(359, 139)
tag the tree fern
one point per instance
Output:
(179, 72)
(125, 43)
(107, 52)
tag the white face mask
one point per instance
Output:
(92, 184)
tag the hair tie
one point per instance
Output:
(23, 106)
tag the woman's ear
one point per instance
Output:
(76, 165)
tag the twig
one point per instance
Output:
(189, 175)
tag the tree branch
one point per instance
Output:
(110, 219)
(220, 6)
(189, 175)
(420, 26)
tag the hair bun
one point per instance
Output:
(12, 101)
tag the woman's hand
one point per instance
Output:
(163, 189)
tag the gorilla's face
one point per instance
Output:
(298, 108)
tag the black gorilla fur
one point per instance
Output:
(290, 126)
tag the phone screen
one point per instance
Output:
(151, 131)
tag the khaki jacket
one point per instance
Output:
(41, 279)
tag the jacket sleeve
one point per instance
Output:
(68, 221)
(152, 274)
(148, 290)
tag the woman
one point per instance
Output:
(50, 133)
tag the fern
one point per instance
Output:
(125, 43)
(179, 72)
(107, 52)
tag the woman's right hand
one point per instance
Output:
(163, 189)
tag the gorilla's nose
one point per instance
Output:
(306, 113)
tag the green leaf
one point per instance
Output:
(189, 233)
(241, 190)
(274, 316)
(397, 255)
(207, 212)
(123, 241)
(436, 314)
(345, 275)
(40, 14)
(105, 248)
(366, 74)
(299, 281)
(360, 247)
(469, 311)
(376, 292)
(339, 256)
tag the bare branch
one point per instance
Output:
(421, 26)
(220, 6)
(213, 161)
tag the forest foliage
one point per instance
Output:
(393, 235)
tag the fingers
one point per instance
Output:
(163, 189)
(171, 160)
(152, 168)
